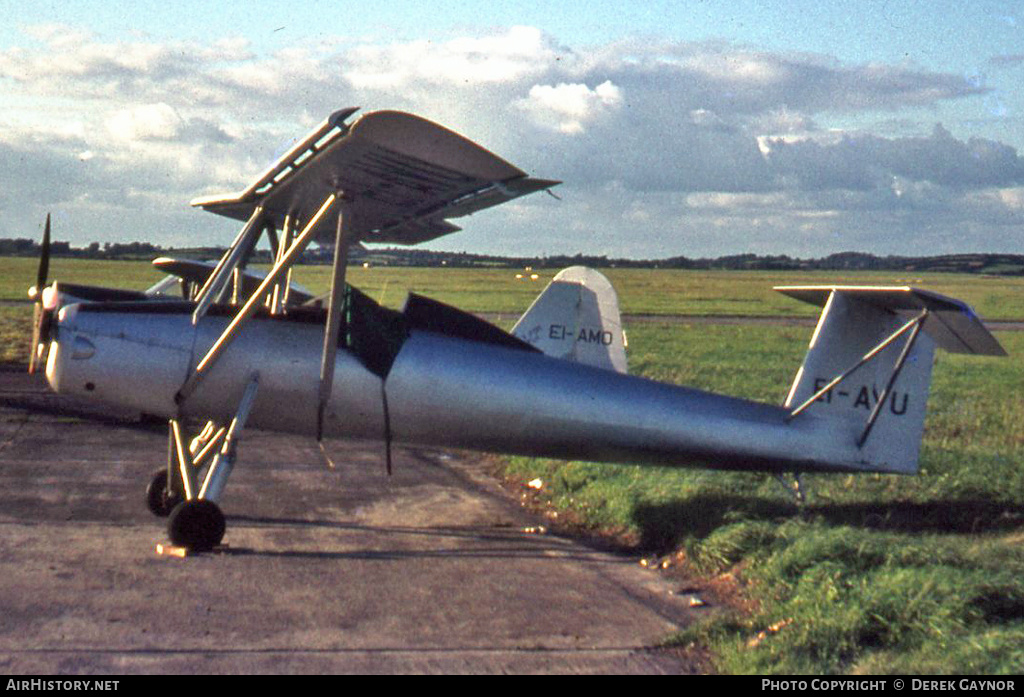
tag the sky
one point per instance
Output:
(677, 128)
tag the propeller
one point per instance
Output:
(41, 317)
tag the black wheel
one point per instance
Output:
(197, 524)
(159, 499)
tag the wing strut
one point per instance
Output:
(244, 243)
(254, 301)
(280, 299)
(344, 236)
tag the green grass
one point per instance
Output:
(18, 273)
(641, 291)
(15, 333)
(664, 292)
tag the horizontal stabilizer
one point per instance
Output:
(951, 323)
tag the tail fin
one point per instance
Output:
(870, 363)
(577, 318)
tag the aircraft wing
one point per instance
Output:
(951, 323)
(409, 175)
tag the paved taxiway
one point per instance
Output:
(328, 571)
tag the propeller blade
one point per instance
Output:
(36, 293)
(44, 257)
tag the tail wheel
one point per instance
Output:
(197, 525)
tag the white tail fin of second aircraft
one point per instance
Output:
(873, 349)
(577, 318)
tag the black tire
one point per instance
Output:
(197, 525)
(159, 499)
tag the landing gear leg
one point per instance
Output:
(168, 486)
(197, 522)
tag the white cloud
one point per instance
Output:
(143, 122)
(705, 145)
(568, 108)
(1012, 198)
(58, 35)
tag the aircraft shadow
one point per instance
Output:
(957, 516)
(68, 408)
(444, 542)
(664, 526)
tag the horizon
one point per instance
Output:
(58, 247)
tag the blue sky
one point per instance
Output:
(694, 128)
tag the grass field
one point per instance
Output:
(641, 291)
(875, 574)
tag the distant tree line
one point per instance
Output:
(998, 264)
(108, 250)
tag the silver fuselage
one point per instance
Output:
(440, 390)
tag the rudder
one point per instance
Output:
(577, 318)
